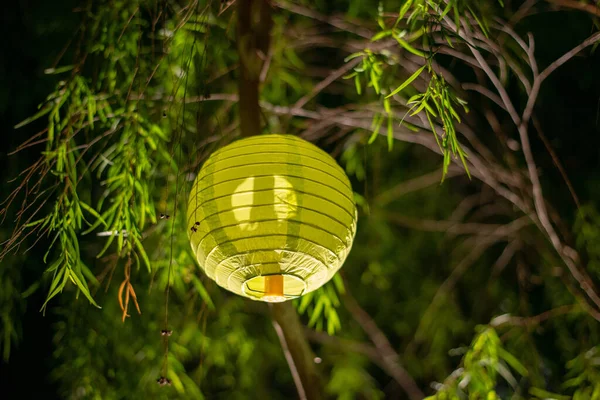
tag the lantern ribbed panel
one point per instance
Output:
(271, 205)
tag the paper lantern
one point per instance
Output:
(271, 217)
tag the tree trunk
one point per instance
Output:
(253, 37)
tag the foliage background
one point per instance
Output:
(459, 313)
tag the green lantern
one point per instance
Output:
(271, 217)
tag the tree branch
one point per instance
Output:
(577, 5)
(388, 355)
(253, 39)
(297, 352)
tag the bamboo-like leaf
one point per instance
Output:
(407, 82)
(375, 81)
(544, 394)
(94, 213)
(404, 9)
(142, 252)
(390, 132)
(83, 287)
(45, 110)
(333, 322)
(317, 312)
(202, 292)
(408, 47)
(512, 361)
(59, 70)
(381, 35)
(58, 283)
(305, 302)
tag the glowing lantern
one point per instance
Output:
(271, 217)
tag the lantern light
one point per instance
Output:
(271, 217)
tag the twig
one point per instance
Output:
(460, 228)
(297, 352)
(335, 75)
(387, 353)
(334, 21)
(395, 371)
(577, 5)
(507, 319)
(507, 254)
(550, 69)
(555, 160)
(485, 92)
(414, 184)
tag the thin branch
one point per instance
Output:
(507, 319)
(485, 92)
(297, 351)
(414, 184)
(335, 75)
(449, 284)
(577, 5)
(346, 344)
(550, 69)
(389, 356)
(395, 371)
(458, 228)
(290, 360)
(338, 22)
(507, 254)
(555, 160)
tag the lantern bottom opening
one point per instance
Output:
(274, 288)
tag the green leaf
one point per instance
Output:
(390, 132)
(58, 283)
(375, 81)
(98, 217)
(405, 7)
(30, 290)
(37, 115)
(381, 35)
(354, 55)
(357, 84)
(544, 394)
(407, 82)
(203, 293)
(408, 47)
(142, 252)
(83, 287)
(59, 70)
(317, 312)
